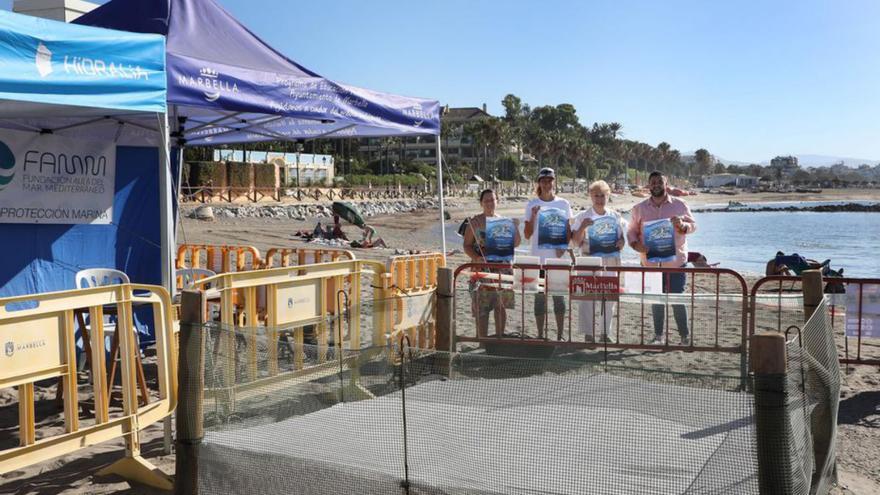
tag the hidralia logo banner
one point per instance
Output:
(52, 179)
(77, 65)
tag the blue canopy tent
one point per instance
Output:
(226, 85)
(84, 163)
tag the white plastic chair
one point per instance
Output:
(99, 277)
(189, 276)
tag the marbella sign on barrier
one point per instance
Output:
(863, 310)
(55, 180)
(595, 288)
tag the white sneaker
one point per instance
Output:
(685, 340)
(657, 340)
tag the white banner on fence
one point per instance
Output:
(862, 310)
(53, 179)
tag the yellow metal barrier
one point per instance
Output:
(284, 257)
(413, 280)
(415, 273)
(280, 257)
(297, 297)
(218, 258)
(37, 332)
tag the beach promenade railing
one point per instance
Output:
(777, 304)
(39, 335)
(624, 303)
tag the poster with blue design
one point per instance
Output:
(552, 229)
(603, 235)
(500, 237)
(659, 239)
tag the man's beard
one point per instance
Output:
(658, 192)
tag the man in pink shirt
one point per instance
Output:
(662, 206)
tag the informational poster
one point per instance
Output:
(604, 235)
(51, 179)
(659, 239)
(500, 237)
(552, 227)
(863, 310)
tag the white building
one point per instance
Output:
(56, 10)
(311, 169)
(724, 180)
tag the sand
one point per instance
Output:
(859, 418)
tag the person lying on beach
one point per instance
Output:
(794, 264)
(337, 229)
(368, 240)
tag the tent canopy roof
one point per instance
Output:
(80, 81)
(230, 85)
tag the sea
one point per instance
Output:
(745, 241)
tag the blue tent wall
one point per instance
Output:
(45, 258)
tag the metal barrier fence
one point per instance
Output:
(218, 258)
(281, 257)
(38, 332)
(849, 301)
(298, 303)
(412, 281)
(613, 304)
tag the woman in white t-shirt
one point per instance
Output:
(610, 255)
(547, 200)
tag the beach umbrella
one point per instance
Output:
(348, 211)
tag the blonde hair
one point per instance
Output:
(601, 186)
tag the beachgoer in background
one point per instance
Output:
(699, 260)
(546, 192)
(486, 298)
(599, 193)
(794, 264)
(368, 238)
(337, 229)
(318, 233)
(659, 206)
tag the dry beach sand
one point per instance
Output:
(859, 417)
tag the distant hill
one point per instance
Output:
(813, 161)
(825, 160)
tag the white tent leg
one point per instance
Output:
(165, 206)
(166, 231)
(440, 195)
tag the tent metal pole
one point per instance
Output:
(440, 195)
(165, 205)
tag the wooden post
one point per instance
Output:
(772, 421)
(811, 281)
(190, 389)
(444, 316)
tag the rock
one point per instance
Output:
(205, 213)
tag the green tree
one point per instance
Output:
(703, 161)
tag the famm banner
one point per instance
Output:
(50, 179)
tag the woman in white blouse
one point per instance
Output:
(610, 254)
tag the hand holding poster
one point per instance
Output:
(552, 228)
(500, 236)
(659, 239)
(603, 236)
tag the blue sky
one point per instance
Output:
(746, 80)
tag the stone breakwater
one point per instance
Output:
(302, 212)
(845, 207)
